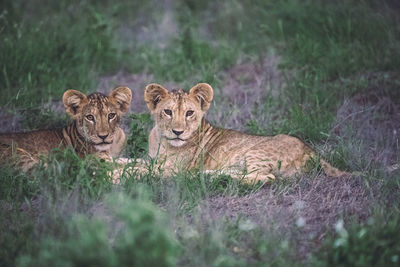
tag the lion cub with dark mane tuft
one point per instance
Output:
(182, 138)
(94, 130)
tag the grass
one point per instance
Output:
(63, 45)
(358, 245)
(137, 144)
(323, 42)
(70, 213)
(189, 57)
(138, 233)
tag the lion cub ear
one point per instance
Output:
(121, 97)
(74, 101)
(203, 92)
(153, 94)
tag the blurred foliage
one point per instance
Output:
(16, 185)
(137, 143)
(140, 240)
(64, 170)
(371, 244)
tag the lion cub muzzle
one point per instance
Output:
(177, 141)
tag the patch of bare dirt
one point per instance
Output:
(371, 118)
(311, 207)
(12, 121)
(244, 86)
(9, 121)
(248, 81)
(156, 24)
(136, 82)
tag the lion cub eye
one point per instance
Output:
(168, 112)
(111, 116)
(90, 117)
(189, 113)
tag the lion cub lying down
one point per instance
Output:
(182, 138)
(94, 130)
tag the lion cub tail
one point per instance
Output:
(332, 171)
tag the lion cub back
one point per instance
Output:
(24, 149)
(35, 141)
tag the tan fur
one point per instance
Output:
(182, 138)
(94, 130)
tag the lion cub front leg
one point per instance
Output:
(255, 177)
(19, 157)
(27, 161)
(127, 166)
(249, 178)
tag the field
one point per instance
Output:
(327, 72)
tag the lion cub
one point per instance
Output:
(94, 130)
(182, 138)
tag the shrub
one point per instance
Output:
(135, 236)
(373, 244)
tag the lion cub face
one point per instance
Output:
(97, 116)
(178, 114)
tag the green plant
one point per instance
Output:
(64, 170)
(16, 185)
(145, 239)
(371, 244)
(35, 118)
(140, 240)
(139, 130)
(17, 235)
(45, 54)
(237, 242)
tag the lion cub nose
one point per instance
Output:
(103, 136)
(177, 132)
